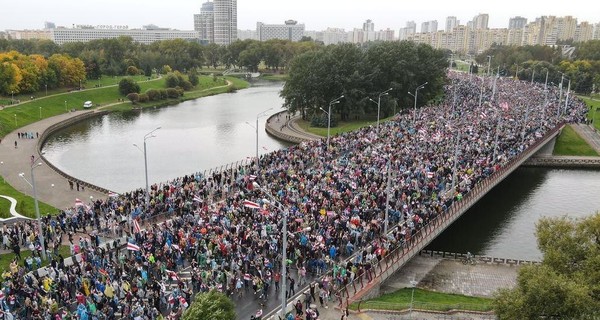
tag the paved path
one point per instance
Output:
(282, 123)
(589, 134)
(51, 187)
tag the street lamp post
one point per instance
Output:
(65, 105)
(546, 82)
(562, 78)
(567, 98)
(332, 102)
(12, 97)
(37, 207)
(489, 64)
(385, 93)
(146, 137)
(532, 76)
(46, 88)
(40, 112)
(16, 120)
(416, 96)
(262, 114)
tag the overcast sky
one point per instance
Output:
(315, 14)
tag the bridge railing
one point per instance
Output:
(412, 244)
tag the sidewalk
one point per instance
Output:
(590, 135)
(284, 128)
(51, 187)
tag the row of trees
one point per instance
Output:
(529, 62)
(114, 56)
(21, 73)
(359, 73)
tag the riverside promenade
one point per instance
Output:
(51, 187)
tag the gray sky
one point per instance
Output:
(315, 14)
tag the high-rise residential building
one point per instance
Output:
(147, 35)
(49, 25)
(406, 32)
(566, 27)
(596, 33)
(368, 25)
(480, 21)
(517, 23)
(334, 35)
(315, 35)
(429, 26)
(204, 22)
(291, 31)
(247, 35)
(225, 21)
(385, 35)
(451, 23)
(584, 32)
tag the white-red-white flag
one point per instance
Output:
(136, 226)
(78, 202)
(172, 274)
(132, 247)
(250, 204)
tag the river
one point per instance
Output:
(212, 131)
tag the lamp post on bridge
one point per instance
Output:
(146, 137)
(384, 93)
(259, 115)
(332, 102)
(416, 96)
(37, 207)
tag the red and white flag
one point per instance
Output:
(504, 106)
(250, 204)
(172, 274)
(252, 177)
(113, 194)
(78, 202)
(136, 226)
(483, 115)
(197, 199)
(132, 247)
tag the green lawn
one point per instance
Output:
(425, 300)
(7, 258)
(594, 104)
(340, 128)
(569, 143)
(25, 203)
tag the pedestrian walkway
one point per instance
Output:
(51, 187)
(286, 127)
(589, 134)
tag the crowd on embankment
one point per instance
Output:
(229, 230)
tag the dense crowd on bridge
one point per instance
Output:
(226, 227)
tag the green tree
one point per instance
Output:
(567, 283)
(193, 78)
(128, 85)
(211, 305)
(133, 97)
(132, 71)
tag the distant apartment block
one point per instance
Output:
(334, 36)
(247, 35)
(451, 23)
(29, 34)
(407, 31)
(204, 22)
(225, 21)
(480, 21)
(517, 23)
(429, 26)
(146, 35)
(291, 31)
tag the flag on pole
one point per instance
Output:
(197, 199)
(132, 247)
(504, 106)
(136, 226)
(252, 177)
(78, 202)
(113, 194)
(483, 115)
(250, 204)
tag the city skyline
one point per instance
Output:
(316, 15)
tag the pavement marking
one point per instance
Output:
(13, 211)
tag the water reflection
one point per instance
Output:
(502, 223)
(194, 136)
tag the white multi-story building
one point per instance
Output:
(407, 31)
(385, 35)
(480, 21)
(451, 23)
(29, 34)
(596, 33)
(204, 22)
(584, 32)
(146, 36)
(334, 35)
(247, 35)
(225, 21)
(368, 25)
(314, 35)
(429, 26)
(291, 31)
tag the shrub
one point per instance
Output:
(194, 80)
(186, 85)
(132, 71)
(133, 97)
(128, 85)
(172, 80)
(143, 97)
(172, 93)
(153, 94)
(163, 94)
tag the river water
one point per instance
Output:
(212, 131)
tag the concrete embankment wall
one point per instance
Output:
(61, 125)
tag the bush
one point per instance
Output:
(143, 97)
(133, 97)
(187, 85)
(132, 71)
(172, 80)
(128, 85)
(172, 93)
(194, 80)
(153, 94)
(163, 94)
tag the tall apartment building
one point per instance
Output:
(291, 31)
(596, 33)
(385, 35)
(204, 22)
(480, 21)
(517, 23)
(147, 35)
(247, 35)
(584, 32)
(369, 26)
(225, 21)
(451, 23)
(407, 31)
(429, 26)
(334, 35)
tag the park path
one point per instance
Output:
(589, 134)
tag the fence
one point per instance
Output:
(420, 305)
(397, 257)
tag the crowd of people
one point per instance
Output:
(225, 228)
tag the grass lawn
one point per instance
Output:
(425, 300)
(25, 203)
(569, 143)
(7, 258)
(340, 128)
(593, 103)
